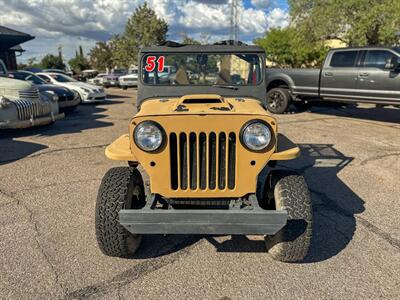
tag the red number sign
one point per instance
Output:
(151, 63)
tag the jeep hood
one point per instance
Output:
(201, 104)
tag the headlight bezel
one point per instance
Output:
(4, 102)
(271, 143)
(159, 127)
(86, 90)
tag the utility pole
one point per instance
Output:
(234, 20)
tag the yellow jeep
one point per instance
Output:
(209, 149)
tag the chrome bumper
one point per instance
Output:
(31, 123)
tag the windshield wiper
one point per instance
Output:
(231, 87)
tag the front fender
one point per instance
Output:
(120, 150)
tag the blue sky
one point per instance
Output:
(71, 23)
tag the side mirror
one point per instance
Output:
(392, 64)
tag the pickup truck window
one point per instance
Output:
(344, 59)
(377, 58)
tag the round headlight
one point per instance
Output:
(4, 102)
(256, 136)
(148, 136)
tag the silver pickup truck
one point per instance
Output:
(22, 106)
(370, 75)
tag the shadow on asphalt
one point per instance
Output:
(84, 117)
(113, 96)
(334, 203)
(12, 150)
(334, 208)
(386, 114)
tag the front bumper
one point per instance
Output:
(111, 82)
(128, 83)
(237, 219)
(94, 97)
(31, 123)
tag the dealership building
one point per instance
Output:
(10, 45)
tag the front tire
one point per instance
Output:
(278, 100)
(121, 188)
(292, 242)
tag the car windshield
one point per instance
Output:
(222, 70)
(62, 78)
(28, 77)
(397, 49)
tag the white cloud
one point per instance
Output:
(75, 22)
(278, 18)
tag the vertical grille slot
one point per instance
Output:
(231, 161)
(201, 161)
(222, 161)
(173, 148)
(212, 161)
(193, 160)
(183, 157)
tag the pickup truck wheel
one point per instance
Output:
(292, 242)
(278, 100)
(120, 188)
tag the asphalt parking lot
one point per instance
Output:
(48, 184)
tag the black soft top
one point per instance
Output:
(221, 47)
(147, 92)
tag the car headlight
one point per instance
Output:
(54, 96)
(4, 102)
(149, 136)
(87, 91)
(256, 135)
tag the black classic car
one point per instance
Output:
(67, 100)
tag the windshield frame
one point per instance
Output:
(149, 92)
(260, 80)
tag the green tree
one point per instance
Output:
(286, 48)
(51, 61)
(143, 28)
(79, 62)
(101, 56)
(356, 22)
(124, 52)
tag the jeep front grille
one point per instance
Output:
(28, 109)
(203, 161)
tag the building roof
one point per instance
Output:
(10, 37)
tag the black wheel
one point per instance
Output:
(292, 242)
(278, 100)
(124, 87)
(121, 188)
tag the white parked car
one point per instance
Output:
(98, 80)
(88, 92)
(129, 80)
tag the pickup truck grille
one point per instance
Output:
(27, 109)
(201, 161)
